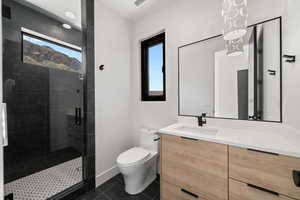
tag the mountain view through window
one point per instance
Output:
(49, 54)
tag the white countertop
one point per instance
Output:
(285, 144)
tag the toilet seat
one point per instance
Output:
(133, 156)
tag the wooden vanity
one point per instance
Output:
(195, 169)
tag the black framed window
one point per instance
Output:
(153, 69)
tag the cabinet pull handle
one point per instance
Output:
(187, 138)
(263, 189)
(296, 177)
(265, 152)
(190, 193)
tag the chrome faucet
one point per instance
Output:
(202, 119)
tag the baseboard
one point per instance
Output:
(106, 175)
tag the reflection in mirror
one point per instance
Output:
(245, 86)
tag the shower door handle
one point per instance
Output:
(78, 116)
(4, 125)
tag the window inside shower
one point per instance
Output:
(45, 53)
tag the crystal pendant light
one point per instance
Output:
(235, 17)
(235, 47)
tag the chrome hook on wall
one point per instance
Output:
(290, 58)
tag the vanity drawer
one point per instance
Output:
(197, 166)
(173, 192)
(270, 171)
(243, 191)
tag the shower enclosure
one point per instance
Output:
(44, 88)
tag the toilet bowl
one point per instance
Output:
(138, 165)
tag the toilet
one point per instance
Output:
(138, 165)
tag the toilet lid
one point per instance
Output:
(133, 156)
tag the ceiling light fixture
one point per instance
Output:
(70, 15)
(235, 47)
(67, 26)
(139, 2)
(235, 16)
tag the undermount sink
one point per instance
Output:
(198, 130)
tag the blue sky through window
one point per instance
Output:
(155, 68)
(69, 52)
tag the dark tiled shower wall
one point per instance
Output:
(27, 89)
(35, 136)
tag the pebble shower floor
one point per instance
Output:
(46, 183)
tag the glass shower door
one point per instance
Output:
(43, 81)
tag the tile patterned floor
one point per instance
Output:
(46, 183)
(114, 190)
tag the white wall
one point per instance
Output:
(291, 80)
(226, 82)
(184, 22)
(197, 78)
(112, 89)
(271, 86)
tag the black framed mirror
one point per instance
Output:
(243, 87)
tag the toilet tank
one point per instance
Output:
(149, 139)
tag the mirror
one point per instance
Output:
(244, 87)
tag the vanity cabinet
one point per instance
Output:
(266, 170)
(193, 169)
(196, 169)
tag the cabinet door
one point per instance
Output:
(196, 166)
(270, 171)
(243, 191)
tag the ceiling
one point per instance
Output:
(57, 9)
(128, 9)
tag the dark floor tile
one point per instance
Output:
(105, 186)
(108, 184)
(153, 190)
(114, 189)
(117, 192)
(89, 196)
(102, 197)
(117, 178)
